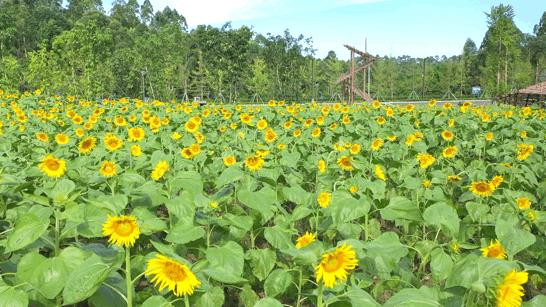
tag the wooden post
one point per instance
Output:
(352, 77)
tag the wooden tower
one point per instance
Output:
(348, 80)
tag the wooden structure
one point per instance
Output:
(529, 95)
(348, 80)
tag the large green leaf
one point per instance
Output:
(360, 297)
(28, 228)
(512, 237)
(386, 251)
(440, 264)
(262, 262)
(183, 233)
(345, 208)
(262, 201)
(12, 297)
(277, 282)
(213, 297)
(50, 276)
(441, 214)
(85, 280)
(401, 208)
(226, 263)
(414, 298)
(278, 237)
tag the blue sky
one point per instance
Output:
(393, 27)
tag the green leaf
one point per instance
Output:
(290, 159)
(345, 208)
(386, 251)
(414, 298)
(148, 222)
(28, 228)
(262, 262)
(62, 189)
(278, 237)
(226, 263)
(401, 208)
(27, 264)
(188, 181)
(473, 268)
(13, 298)
(441, 214)
(440, 264)
(277, 282)
(360, 297)
(262, 201)
(537, 301)
(156, 301)
(183, 233)
(248, 296)
(512, 237)
(49, 277)
(214, 297)
(268, 302)
(477, 211)
(229, 175)
(85, 280)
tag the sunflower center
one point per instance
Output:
(494, 252)
(174, 272)
(482, 187)
(124, 228)
(53, 164)
(333, 263)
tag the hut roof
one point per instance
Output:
(537, 89)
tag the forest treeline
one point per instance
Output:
(77, 48)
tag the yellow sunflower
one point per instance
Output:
(379, 173)
(254, 163)
(315, 133)
(191, 126)
(524, 151)
(159, 170)
(450, 152)
(42, 137)
(230, 160)
(87, 144)
(108, 169)
(334, 266)
(262, 124)
(345, 163)
(136, 150)
(122, 230)
(186, 153)
(305, 240)
(171, 274)
(52, 167)
(324, 199)
(425, 160)
(270, 135)
(523, 203)
(510, 291)
(489, 136)
(112, 142)
(447, 135)
(136, 134)
(482, 188)
(62, 139)
(377, 144)
(494, 250)
(497, 181)
(321, 166)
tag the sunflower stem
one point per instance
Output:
(300, 281)
(128, 276)
(186, 301)
(319, 296)
(57, 233)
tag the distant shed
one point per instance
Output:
(526, 96)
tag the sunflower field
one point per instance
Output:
(131, 203)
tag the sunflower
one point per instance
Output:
(410, 139)
(335, 265)
(489, 136)
(315, 133)
(262, 124)
(195, 149)
(42, 137)
(321, 166)
(497, 181)
(112, 142)
(377, 144)
(494, 250)
(136, 134)
(159, 170)
(305, 240)
(87, 144)
(482, 188)
(453, 178)
(254, 163)
(426, 183)
(391, 138)
(380, 120)
(425, 160)
(191, 126)
(230, 160)
(355, 149)
(80, 132)
(136, 150)
(524, 151)
(270, 135)
(324, 199)
(108, 169)
(379, 173)
(345, 163)
(296, 133)
(186, 153)
(122, 230)
(523, 203)
(450, 152)
(447, 135)
(353, 189)
(175, 136)
(52, 167)
(62, 139)
(510, 290)
(171, 274)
